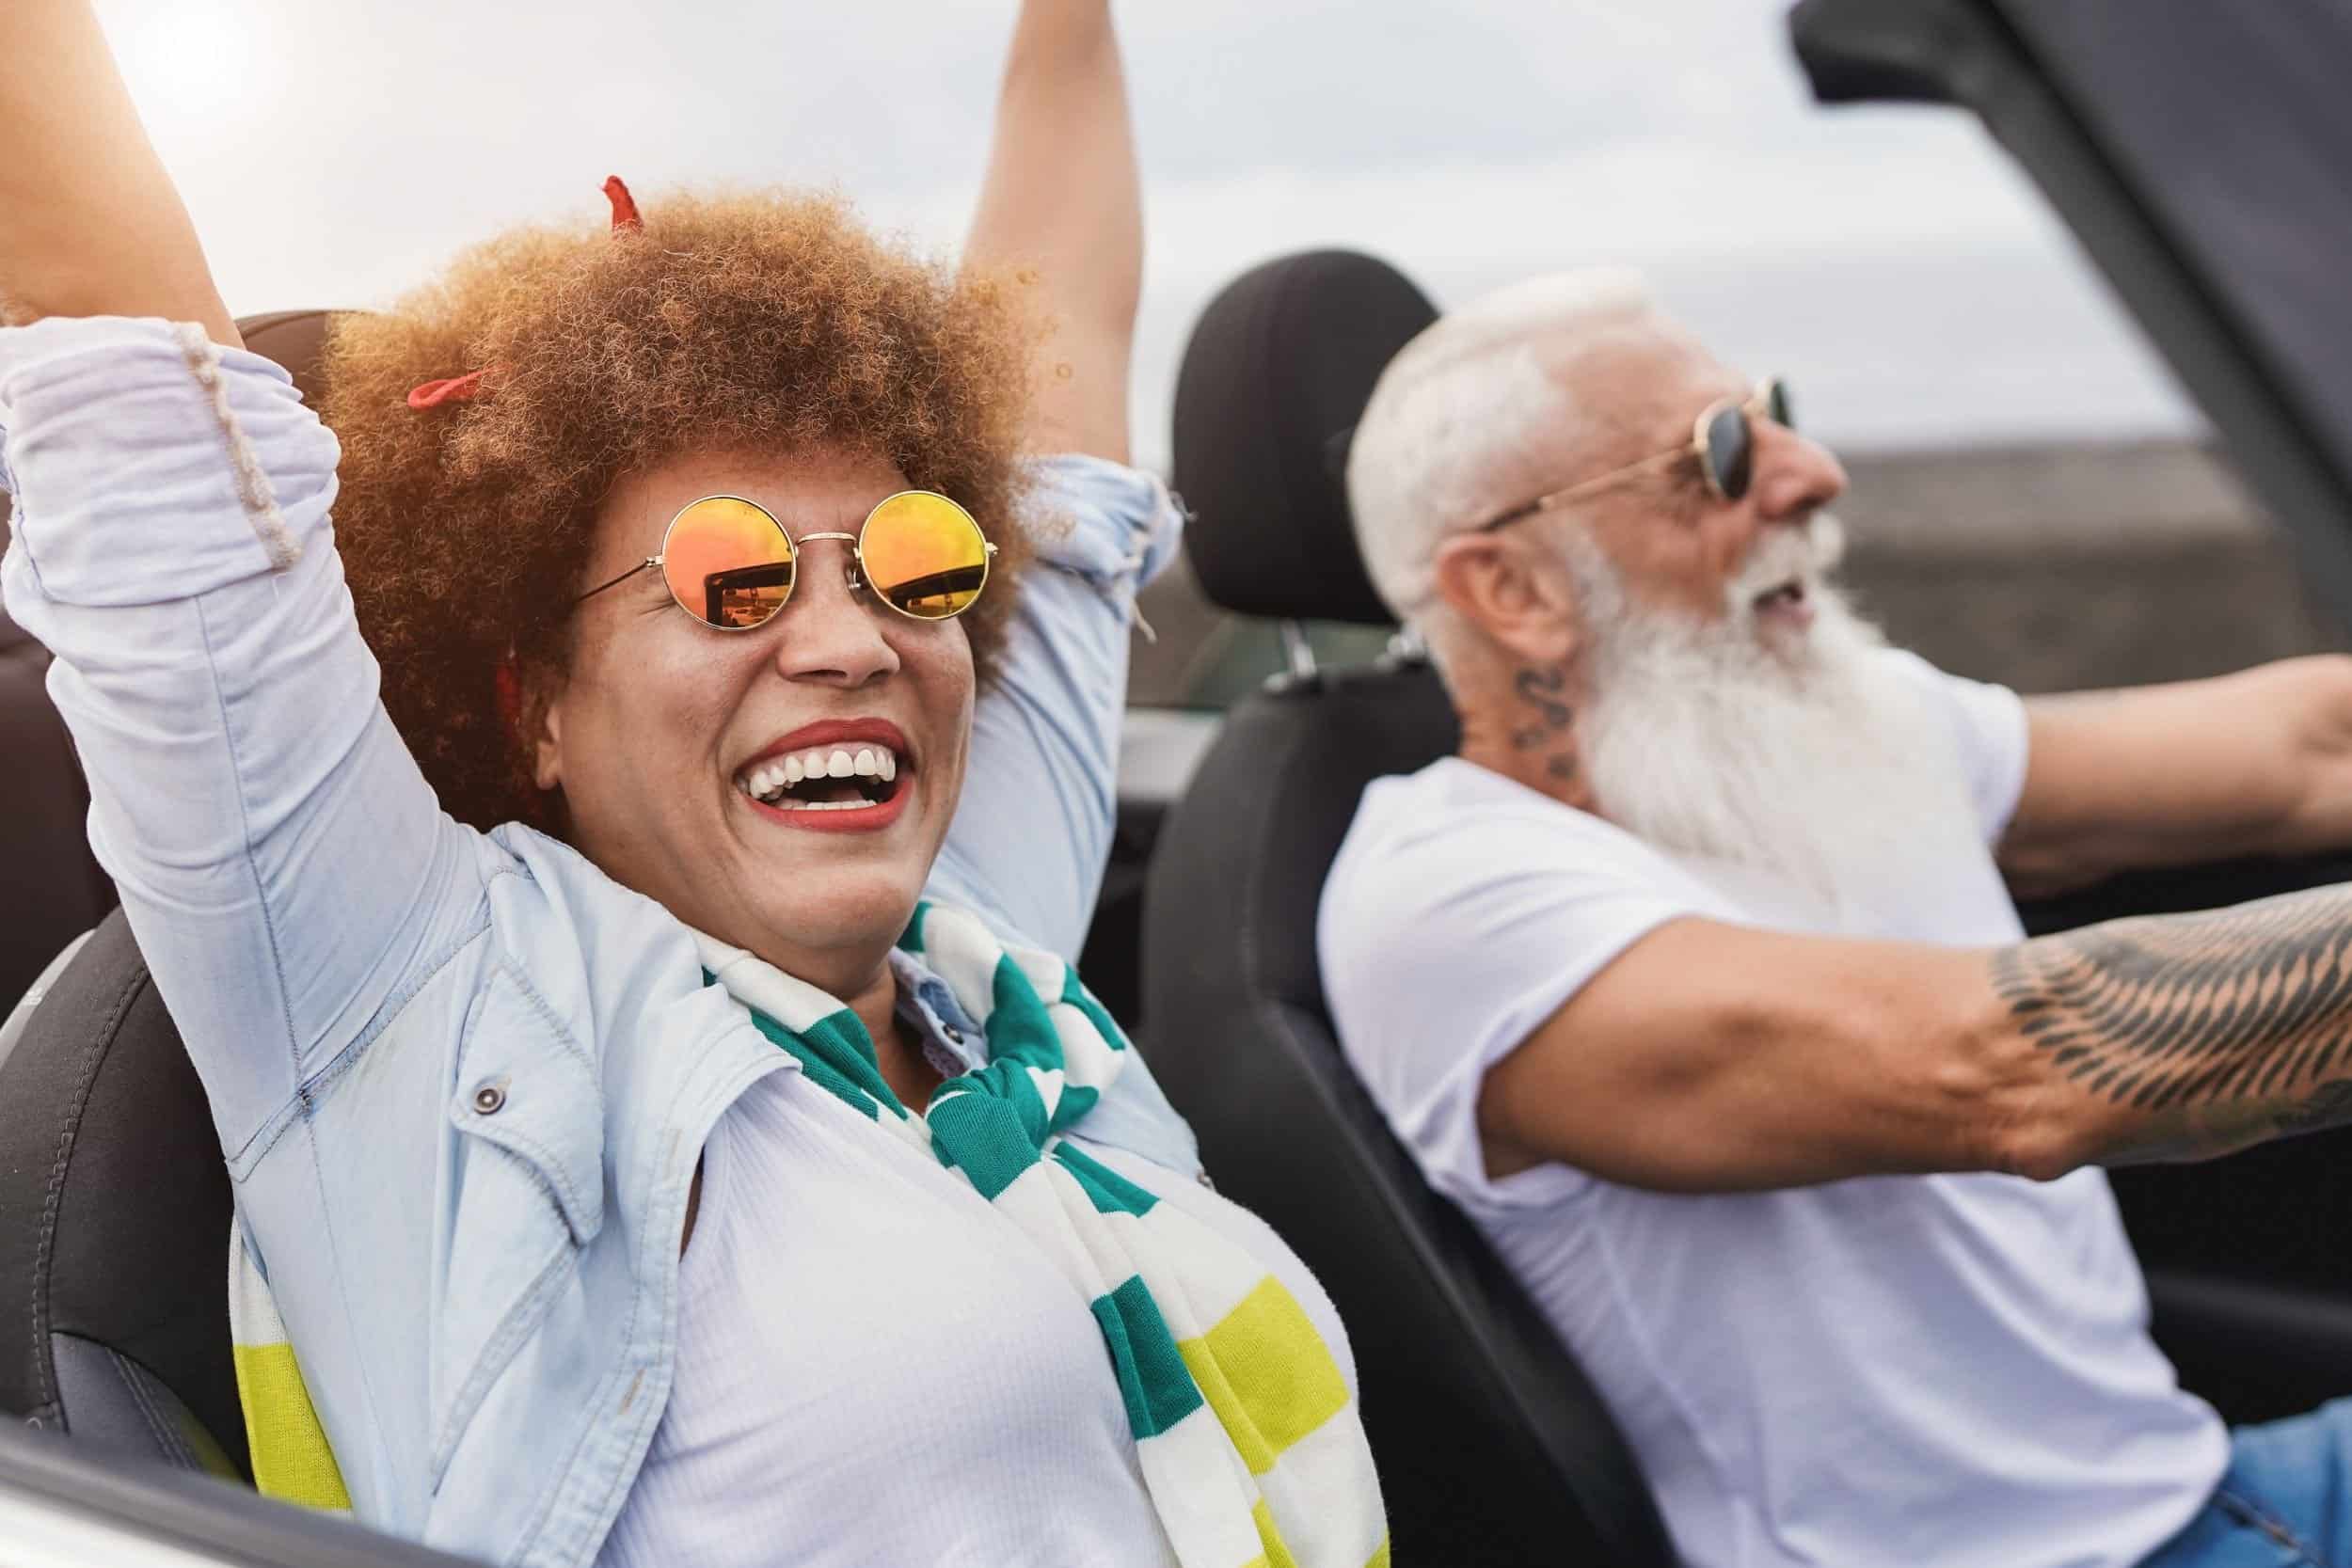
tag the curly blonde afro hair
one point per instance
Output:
(757, 322)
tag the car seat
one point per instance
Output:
(114, 1203)
(51, 890)
(1493, 1445)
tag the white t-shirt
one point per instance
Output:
(1944, 1371)
(876, 1366)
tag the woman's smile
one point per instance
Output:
(836, 776)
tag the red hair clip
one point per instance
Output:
(458, 389)
(624, 205)
(465, 389)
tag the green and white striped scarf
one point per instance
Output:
(1249, 1442)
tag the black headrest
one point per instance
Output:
(1278, 372)
(296, 340)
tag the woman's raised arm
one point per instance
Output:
(89, 223)
(1062, 196)
(281, 860)
(1034, 827)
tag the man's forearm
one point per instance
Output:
(2185, 1037)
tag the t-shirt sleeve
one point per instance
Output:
(1988, 728)
(1451, 928)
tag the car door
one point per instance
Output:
(62, 1508)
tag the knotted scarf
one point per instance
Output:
(1250, 1443)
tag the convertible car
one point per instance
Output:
(2198, 152)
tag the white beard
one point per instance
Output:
(1796, 755)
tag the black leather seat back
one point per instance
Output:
(51, 890)
(1493, 1447)
(114, 1223)
(114, 1203)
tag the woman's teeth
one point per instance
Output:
(769, 781)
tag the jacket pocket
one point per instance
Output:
(525, 1195)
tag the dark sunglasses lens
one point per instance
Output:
(923, 554)
(728, 562)
(1776, 403)
(1730, 451)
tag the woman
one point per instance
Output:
(676, 1184)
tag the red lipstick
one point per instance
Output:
(826, 732)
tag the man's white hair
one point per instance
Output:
(1458, 424)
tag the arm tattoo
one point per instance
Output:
(2217, 1030)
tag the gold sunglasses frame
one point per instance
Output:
(858, 576)
(1757, 405)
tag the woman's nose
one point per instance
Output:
(828, 630)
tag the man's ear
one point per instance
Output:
(1519, 599)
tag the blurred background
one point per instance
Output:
(2034, 500)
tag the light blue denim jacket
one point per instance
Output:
(484, 1305)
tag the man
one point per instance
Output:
(1693, 977)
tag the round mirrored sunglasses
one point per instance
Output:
(730, 564)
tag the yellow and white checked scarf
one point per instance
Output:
(292, 1461)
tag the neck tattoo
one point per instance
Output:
(1549, 720)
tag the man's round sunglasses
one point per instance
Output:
(730, 564)
(1722, 441)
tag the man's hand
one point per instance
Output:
(89, 223)
(1062, 202)
(2258, 763)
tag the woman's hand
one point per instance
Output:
(89, 223)
(1062, 197)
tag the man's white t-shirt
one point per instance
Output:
(1944, 1370)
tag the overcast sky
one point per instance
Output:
(1888, 260)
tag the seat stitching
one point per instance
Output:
(1259, 865)
(167, 1434)
(1615, 1531)
(53, 1196)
